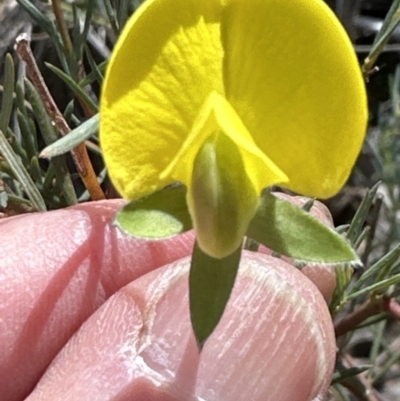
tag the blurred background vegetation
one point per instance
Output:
(71, 42)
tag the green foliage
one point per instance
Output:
(278, 224)
(210, 285)
(157, 216)
(80, 134)
(292, 232)
(28, 182)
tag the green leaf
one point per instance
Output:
(22, 175)
(341, 375)
(362, 212)
(93, 66)
(157, 216)
(74, 87)
(94, 75)
(348, 377)
(8, 90)
(37, 16)
(383, 265)
(73, 139)
(47, 26)
(49, 134)
(210, 285)
(3, 198)
(381, 286)
(290, 231)
(389, 25)
(343, 277)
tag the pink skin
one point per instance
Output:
(74, 286)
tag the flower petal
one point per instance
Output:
(215, 116)
(224, 172)
(292, 76)
(167, 60)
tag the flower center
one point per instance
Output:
(225, 172)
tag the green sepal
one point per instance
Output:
(210, 285)
(290, 231)
(160, 215)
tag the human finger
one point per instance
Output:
(56, 269)
(275, 342)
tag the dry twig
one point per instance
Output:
(79, 154)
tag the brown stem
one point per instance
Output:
(370, 308)
(62, 26)
(364, 391)
(79, 154)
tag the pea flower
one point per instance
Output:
(230, 97)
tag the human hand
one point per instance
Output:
(86, 314)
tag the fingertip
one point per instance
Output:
(275, 341)
(57, 268)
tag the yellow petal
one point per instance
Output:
(166, 62)
(292, 76)
(224, 172)
(218, 116)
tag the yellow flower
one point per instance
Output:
(230, 97)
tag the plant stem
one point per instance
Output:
(79, 154)
(62, 26)
(378, 46)
(375, 305)
(361, 388)
(69, 48)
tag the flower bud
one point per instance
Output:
(222, 199)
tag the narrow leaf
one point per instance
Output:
(381, 286)
(112, 16)
(390, 24)
(22, 175)
(37, 16)
(74, 86)
(210, 285)
(73, 139)
(157, 216)
(361, 214)
(93, 66)
(383, 264)
(49, 134)
(28, 137)
(343, 275)
(8, 91)
(350, 372)
(92, 75)
(35, 171)
(290, 231)
(378, 318)
(387, 21)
